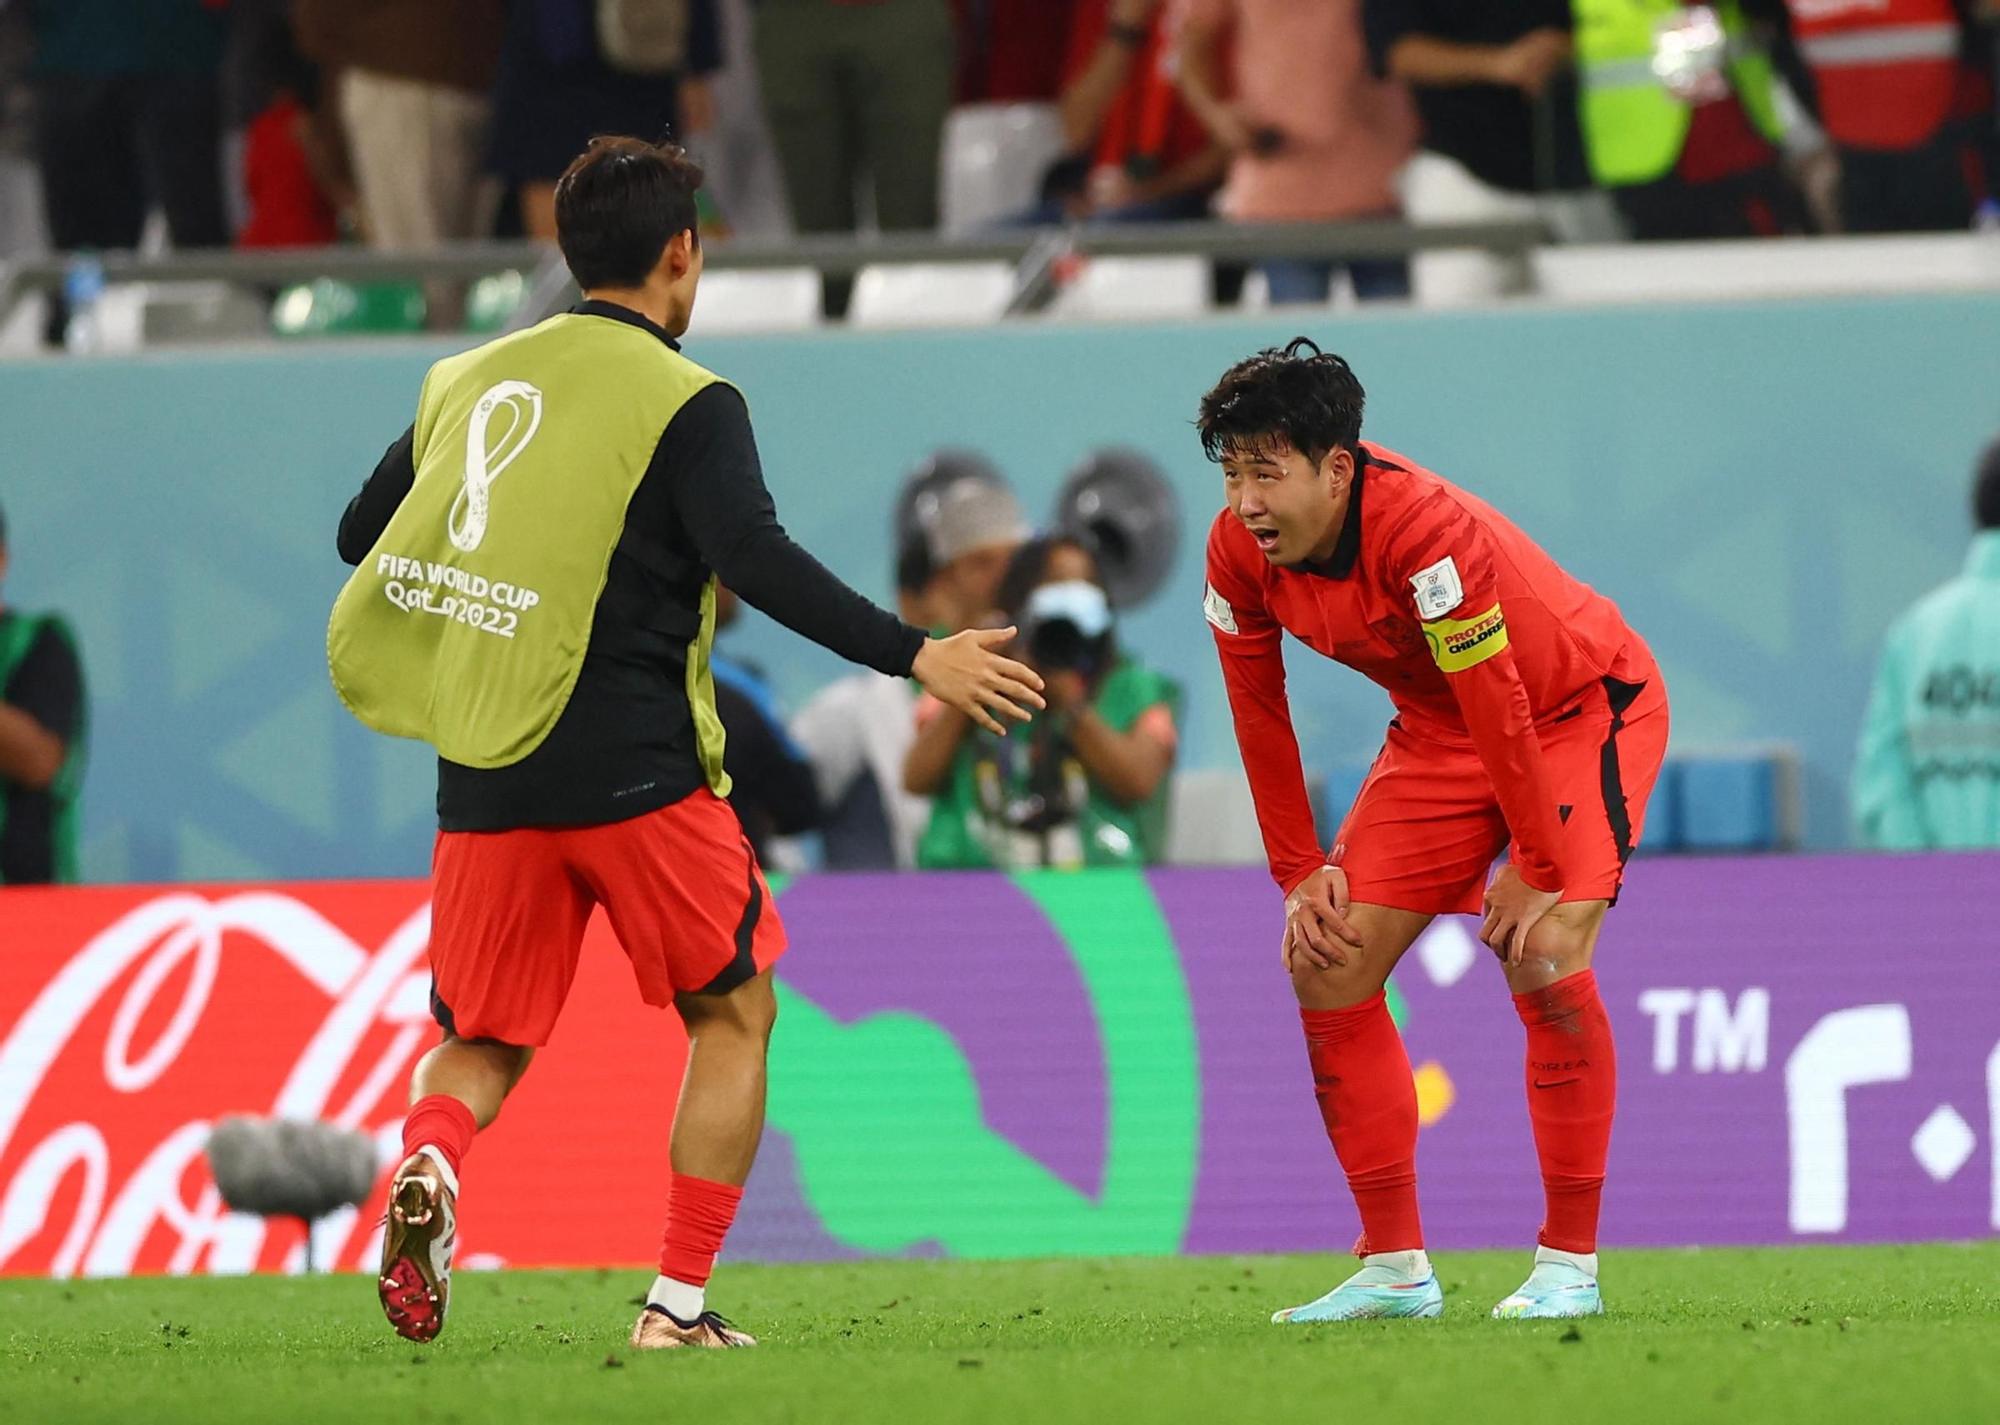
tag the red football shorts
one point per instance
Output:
(1426, 828)
(681, 886)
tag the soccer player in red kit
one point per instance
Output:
(1530, 719)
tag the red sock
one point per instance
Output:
(1572, 1092)
(442, 1122)
(698, 1216)
(1361, 1076)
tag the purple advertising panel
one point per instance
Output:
(984, 1065)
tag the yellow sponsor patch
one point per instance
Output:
(1459, 643)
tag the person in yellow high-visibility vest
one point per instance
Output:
(1680, 120)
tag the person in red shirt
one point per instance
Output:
(1530, 719)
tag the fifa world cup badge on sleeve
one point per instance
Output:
(1439, 590)
(1218, 611)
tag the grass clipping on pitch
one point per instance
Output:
(1808, 1334)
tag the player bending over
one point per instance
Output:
(1529, 718)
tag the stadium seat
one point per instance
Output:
(993, 158)
(328, 307)
(778, 299)
(1212, 821)
(1136, 287)
(931, 294)
(1740, 800)
(494, 299)
(1755, 268)
(180, 312)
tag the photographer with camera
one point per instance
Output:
(1087, 784)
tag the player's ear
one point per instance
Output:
(1336, 467)
(678, 255)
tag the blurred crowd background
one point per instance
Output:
(405, 124)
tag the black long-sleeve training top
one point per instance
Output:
(625, 744)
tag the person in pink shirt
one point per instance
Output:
(1314, 134)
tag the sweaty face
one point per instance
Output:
(1292, 506)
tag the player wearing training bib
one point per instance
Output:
(535, 597)
(1530, 720)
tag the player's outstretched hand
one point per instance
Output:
(1316, 926)
(967, 673)
(1512, 908)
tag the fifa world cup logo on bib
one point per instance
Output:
(484, 459)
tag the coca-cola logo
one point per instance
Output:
(184, 1008)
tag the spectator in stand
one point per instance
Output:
(296, 188)
(1086, 784)
(565, 79)
(858, 731)
(1496, 89)
(1681, 119)
(42, 721)
(854, 90)
(1928, 774)
(772, 785)
(1012, 51)
(408, 80)
(1135, 152)
(129, 116)
(745, 190)
(1313, 134)
(1904, 90)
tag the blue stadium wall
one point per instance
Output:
(1762, 487)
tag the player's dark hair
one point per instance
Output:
(619, 204)
(1985, 491)
(1294, 395)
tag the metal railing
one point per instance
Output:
(1032, 250)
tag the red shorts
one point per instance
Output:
(1426, 826)
(681, 886)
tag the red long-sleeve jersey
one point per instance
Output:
(1473, 630)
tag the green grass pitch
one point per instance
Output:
(1808, 1334)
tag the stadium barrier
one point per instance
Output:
(981, 1065)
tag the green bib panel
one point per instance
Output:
(466, 625)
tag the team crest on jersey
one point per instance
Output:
(1217, 610)
(1439, 589)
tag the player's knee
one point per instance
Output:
(748, 1011)
(1335, 987)
(1560, 946)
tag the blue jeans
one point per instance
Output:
(1296, 281)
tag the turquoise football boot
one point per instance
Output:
(1375, 1293)
(1562, 1284)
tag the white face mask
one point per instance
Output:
(1075, 601)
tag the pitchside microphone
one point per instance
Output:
(289, 1167)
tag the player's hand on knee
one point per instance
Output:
(1513, 908)
(1316, 924)
(967, 672)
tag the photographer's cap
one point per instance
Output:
(973, 514)
(1076, 601)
